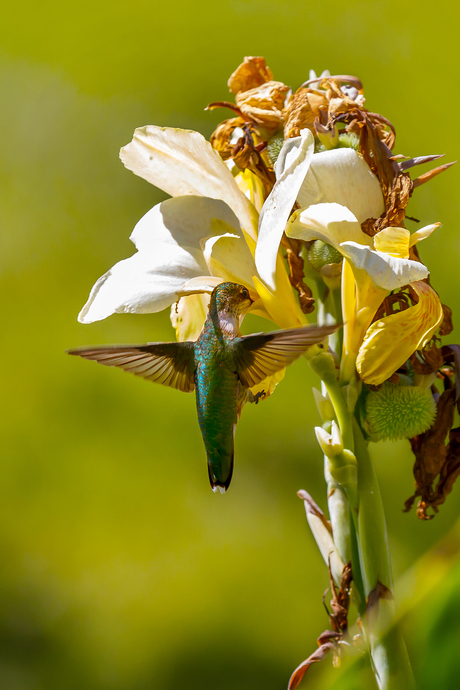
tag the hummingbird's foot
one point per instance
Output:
(259, 396)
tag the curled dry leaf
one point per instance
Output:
(251, 73)
(329, 640)
(380, 591)
(222, 136)
(264, 104)
(296, 274)
(436, 460)
(446, 326)
(303, 109)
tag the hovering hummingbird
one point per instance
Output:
(221, 366)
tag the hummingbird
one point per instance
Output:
(221, 366)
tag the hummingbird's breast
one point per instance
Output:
(216, 384)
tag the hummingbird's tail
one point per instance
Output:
(220, 469)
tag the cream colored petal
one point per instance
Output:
(423, 233)
(268, 385)
(168, 239)
(387, 272)
(200, 284)
(228, 256)
(183, 221)
(141, 284)
(393, 241)
(280, 312)
(292, 166)
(332, 223)
(390, 341)
(188, 316)
(343, 176)
(252, 188)
(182, 162)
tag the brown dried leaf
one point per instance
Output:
(302, 111)
(314, 508)
(380, 591)
(451, 354)
(297, 275)
(325, 647)
(340, 599)
(220, 138)
(247, 155)
(329, 639)
(426, 177)
(433, 458)
(251, 73)
(446, 326)
(264, 104)
(396, 199)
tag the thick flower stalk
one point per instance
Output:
(300, 198)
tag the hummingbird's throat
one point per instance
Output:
(229, 323)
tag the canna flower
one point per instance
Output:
(186, 245)
(208, 232)
(339, 176)
(373, 267)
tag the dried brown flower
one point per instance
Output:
(251, 73)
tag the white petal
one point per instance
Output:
(188, 316)
(343, 176)
(200, 284)
(168, 239)
(423, 233)
(292, 166)
(387, 272)
(141, 284)
(331, 223)
(182, 221)
(182, 162)
(228, 256)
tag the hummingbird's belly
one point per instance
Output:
(216, 398)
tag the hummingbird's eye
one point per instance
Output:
(245, 293)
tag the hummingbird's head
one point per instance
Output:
(231, 298)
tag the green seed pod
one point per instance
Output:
(396, 412)
(274, 147)
(349, 140)
(320, 254)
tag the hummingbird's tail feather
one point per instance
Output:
(220, 467)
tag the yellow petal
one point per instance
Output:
(423, 233)
(227, 255)
(182, 162)
(393, 241)
(284, 314)
(188, 316)
(268, 385)
(390, 341)
(252, 188)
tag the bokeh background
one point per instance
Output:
(118, 566)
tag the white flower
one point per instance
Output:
(188, 244)
(341, 176)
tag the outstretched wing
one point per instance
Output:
(172, 364)
(263, 354)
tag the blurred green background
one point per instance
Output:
(119, 568)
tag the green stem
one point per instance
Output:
(339, 513)
(388, 651)
(323, 365)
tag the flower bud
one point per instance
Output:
(324, 405)
(396, 412)
(274, 146)
(331, 444)
(320, 254)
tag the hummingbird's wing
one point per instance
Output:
(263, 354)
(172, 364)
